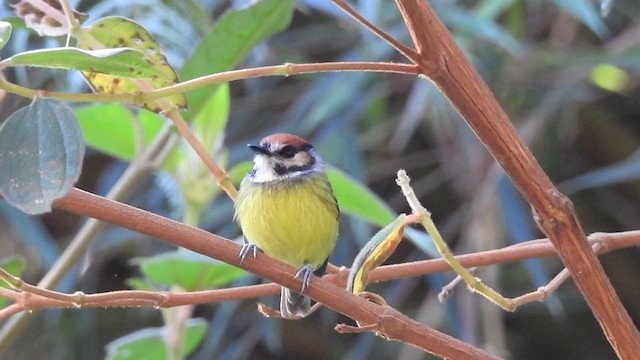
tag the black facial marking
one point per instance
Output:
(288, 152)
(280, 169)
(283, 170)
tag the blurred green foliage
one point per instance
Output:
(566, 75)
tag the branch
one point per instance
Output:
(215, 79)
(384, 320)
(388, 322)
(34, 298)
(445, 65)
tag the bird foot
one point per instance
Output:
(246, 249)
(306, 273)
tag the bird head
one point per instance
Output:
(283, 156)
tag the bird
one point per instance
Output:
(286, 208)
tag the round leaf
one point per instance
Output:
(41, 152)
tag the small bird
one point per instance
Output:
(287, 209)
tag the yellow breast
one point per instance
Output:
(294, 221)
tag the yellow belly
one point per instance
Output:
(296, 222)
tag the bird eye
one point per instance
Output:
(287, 152)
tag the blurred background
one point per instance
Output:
(567, 74)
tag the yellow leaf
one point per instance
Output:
(119, 32)
(374, 253)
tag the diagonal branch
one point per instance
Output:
(444, 63)
(386, 321)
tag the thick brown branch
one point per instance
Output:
(396, 327)
(444, 63)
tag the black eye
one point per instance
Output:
(287, 152)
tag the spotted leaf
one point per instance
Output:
(118, 32)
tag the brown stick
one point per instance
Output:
(119, 298)
(444, 63)
(387, 322)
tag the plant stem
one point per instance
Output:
(474, 284)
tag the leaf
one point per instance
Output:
(231, 38)
(118, 61)
(5, 33)
(149, 343)
(238, 171)
(356, 199)
(117, 32)
(140, 284)
(210, 121)
(187, 169)
(374, 253)
(14, 265)
(111, 128)
(609, 77)
(189, 270)
(586, 13)
(41, 153)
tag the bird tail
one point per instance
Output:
(293, 306)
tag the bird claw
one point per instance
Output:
(306, 273)
(246, 249)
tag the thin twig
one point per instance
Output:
(474, 283)
(214, 79)
(528, 250)
(403, 49)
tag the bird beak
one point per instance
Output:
(259, 149)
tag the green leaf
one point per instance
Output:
(231, 39)
(191, 271)
(140, 284)
(14, 265)
(41, 152)
(191, 175)
(112, 128)
(609, 77)
(119, 61)
(5, 33)
(149, 343)
(117, 32)
(586, 13)
(189, 172)
(356, 199)
(210, 121)
(238, 171)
